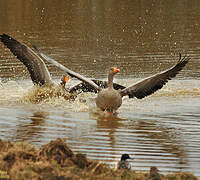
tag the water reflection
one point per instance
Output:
(31, 128)
(151, 134)
(163, 136)
(110, 125)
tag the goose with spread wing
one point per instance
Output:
(110, 99)
(38, 70)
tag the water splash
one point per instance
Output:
(14, 93)
(11, 91)
(39, 94)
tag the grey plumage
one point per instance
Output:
(151, 84)
(35, 65)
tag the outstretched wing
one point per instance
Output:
(35, 65)
(151, 84)
(68, 71)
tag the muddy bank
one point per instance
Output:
(56, 161)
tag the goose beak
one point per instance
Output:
(66, 79)
(115, 70)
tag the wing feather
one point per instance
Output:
(68, 71)
(35, 65)
(151, 84)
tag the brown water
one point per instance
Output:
(139, 37)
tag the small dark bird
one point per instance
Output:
(123, 163)
(154, 175)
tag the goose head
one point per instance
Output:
(113, 70)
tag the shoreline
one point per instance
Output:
(56, 161)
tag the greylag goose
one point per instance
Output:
(109, 99)
(123, 163)
(38, 70)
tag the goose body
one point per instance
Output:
(109, 99)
